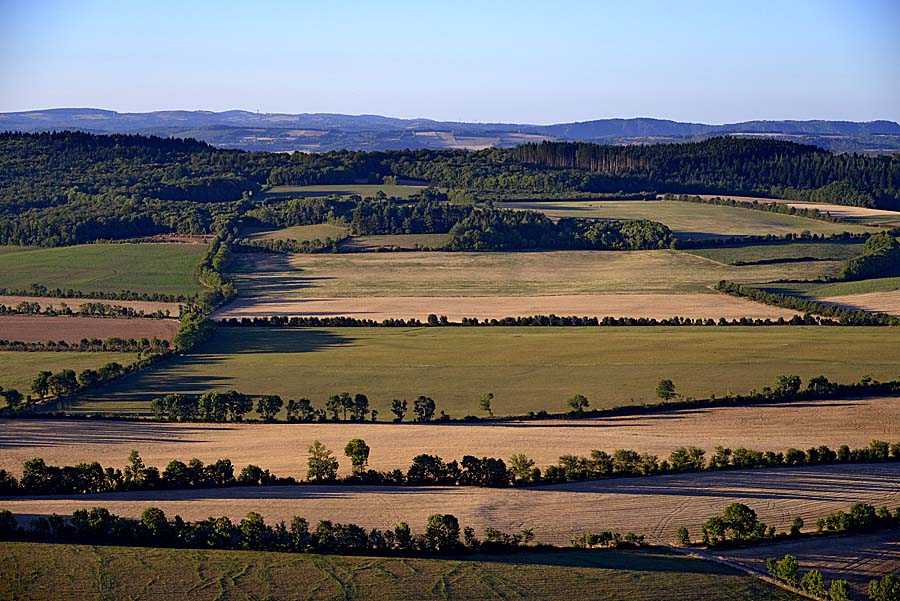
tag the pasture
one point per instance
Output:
(859, 558)
(689, 220)
(499, 274)
(656, 506)
(319, 231)
(527, 368)
(142, 268)
(399, 241)
(18, 369)
(854, 422)
(39, 572)
(659, 306)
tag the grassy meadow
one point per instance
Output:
(299, 233)
(527, 369)
(18, 369)
(161, 268)
(755, 253)
(38, 572)
(690, 220)
(499, 273)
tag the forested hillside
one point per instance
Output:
(69, 187)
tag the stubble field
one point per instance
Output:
(282, 448)
(34, 328)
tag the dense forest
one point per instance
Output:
(71, 187)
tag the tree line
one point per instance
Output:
(40, 290)
(83, 310)
(880, 257)
(93, 345)
(442, 534)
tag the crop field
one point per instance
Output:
(18, 369)
(527, 368)
(755, 253)
(881, 302)
(854, 422)
(500, 274)
(660, 306)
(656, 506)
(828, 290)
(364, 190)
(847, 212)
(320, 231)
(73, 304)
(161, 268)
(39, 572)
(859, 558)
(38, 328)
(689, 220)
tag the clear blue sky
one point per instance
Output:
(537, 62)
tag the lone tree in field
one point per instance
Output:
(485, 403)
(13, 398)
(684, 537)
(41, 384)
(579, 403)
(322, 465)
(522, 468)
(423, 407)
(665, 390)
(398, 408)
(358, 452)
(442, 532)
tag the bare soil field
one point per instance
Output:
(496, 307)
(74, 303)
(281, 448)
(882, 302)
(500, 274)
(41, 328)
(841, 211)
(858, 557)
(656, 506)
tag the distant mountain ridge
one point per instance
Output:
(314, 132)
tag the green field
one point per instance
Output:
(299, 233)
(33, 571)
(829, 289)
(500, 273)
(822, 251)
(364, 190)
(690, 220)
(404, 241)
(18, 369)
(162, 268)
(526, 368)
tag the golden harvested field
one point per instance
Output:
(656, 506)
(695, 306)
(882, 302)
(851, 213)
(281, 448)
(51, 572)
(174, 309)
(858, 558)
(500, 274)
(42, 328)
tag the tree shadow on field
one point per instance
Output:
(636, 560)
(37, 433)
(275, 340)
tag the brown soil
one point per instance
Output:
(39, 328)
(281, 448)
(74, 303)
(656, 506)
(659, 306)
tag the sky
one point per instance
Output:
(488, 61)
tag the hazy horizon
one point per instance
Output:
(701, 62)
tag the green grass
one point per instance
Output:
(827, 290)
(526, 368)
(298, 232)
(364, 190)
(38, 572)
(162, 268)
(691, 220)
(18, 369)
(499, 274)
(823, 251)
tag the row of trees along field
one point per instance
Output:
(70, 187)
(425, 470)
